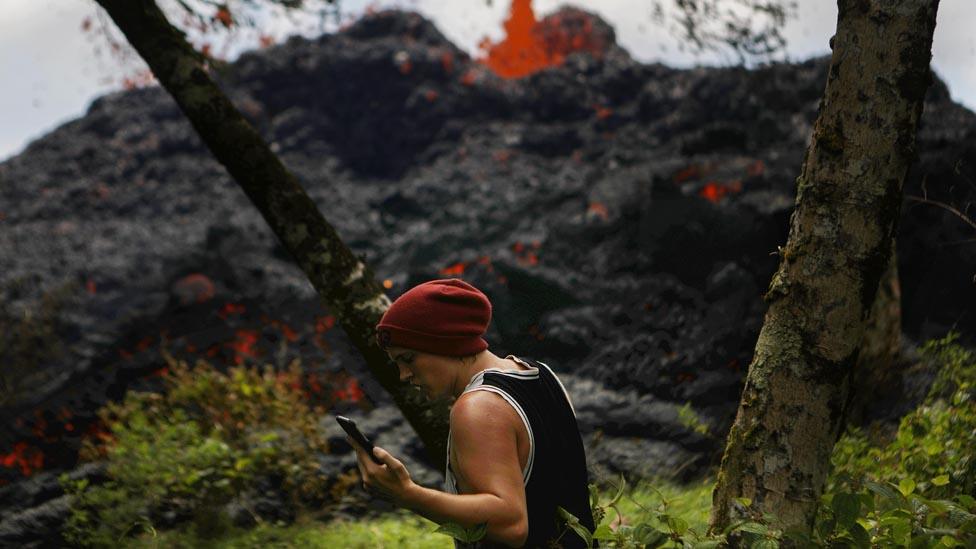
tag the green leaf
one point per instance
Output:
(603, 531)
(900, 527)
(707, 544)
(745, 502)
(678, 525)
(941, 480)
(906, 486)
(861, 537)
(966, 500)
(766, 543)
(753, 528)
(949, 541)
(574, 523)
(883, 490)
(468, 535)
(620, 491)
(845, 507)
(649, 536)
(938, 506)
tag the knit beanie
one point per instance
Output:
(444, 317)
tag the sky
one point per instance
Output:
(51, 69)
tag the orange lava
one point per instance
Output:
(351, 391)
(231, 309)
(324, 323)
(714, 191)
(690, 172)
(456, 269)
(598, 209)
(28, 458)
(244, 345)
(447, 62)
(530, 46)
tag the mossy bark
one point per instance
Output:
(848, 197)
(345, 283)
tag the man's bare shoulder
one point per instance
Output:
(482, 408)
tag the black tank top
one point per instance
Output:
(555, 472)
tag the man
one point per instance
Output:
(514, 448)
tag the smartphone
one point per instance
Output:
(349, 426)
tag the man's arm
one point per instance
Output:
(469, 510)
(484, 439)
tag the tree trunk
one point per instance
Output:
(840, 240)
(876, 373)
(346, 285)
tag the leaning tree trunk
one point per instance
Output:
(346, 284)
(848, 198)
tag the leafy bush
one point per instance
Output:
(209, 439)
(916, 490)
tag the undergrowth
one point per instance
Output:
(212, 435)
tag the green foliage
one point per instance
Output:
(891, 493)
(916, 489)
(197, 447)
(398, 529)
(691, 420)
(460, 533)
(653, 513)
(28, 339)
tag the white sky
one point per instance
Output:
(50, 70)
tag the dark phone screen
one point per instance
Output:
(349, 426)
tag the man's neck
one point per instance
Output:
(484, 361)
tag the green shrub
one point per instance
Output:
(918, 488)
(915, 490)
(208, 439)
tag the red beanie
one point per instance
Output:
(442, 317)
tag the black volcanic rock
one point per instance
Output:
(620, 216)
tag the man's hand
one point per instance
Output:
(390, 481)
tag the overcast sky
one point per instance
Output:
(50, 70)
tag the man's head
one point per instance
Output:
(433, 330)
(445, 317)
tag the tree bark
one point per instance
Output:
(876, 372)
(848, 197)
(346, 285)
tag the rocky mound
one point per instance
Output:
(620, 216)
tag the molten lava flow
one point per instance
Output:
(456, 269)
(351, 391)
(598, 209)
(714, 191)
(231, 309)
(530, 45)
(25, 457)
(243, 346)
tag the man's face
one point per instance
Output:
(428, 371)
